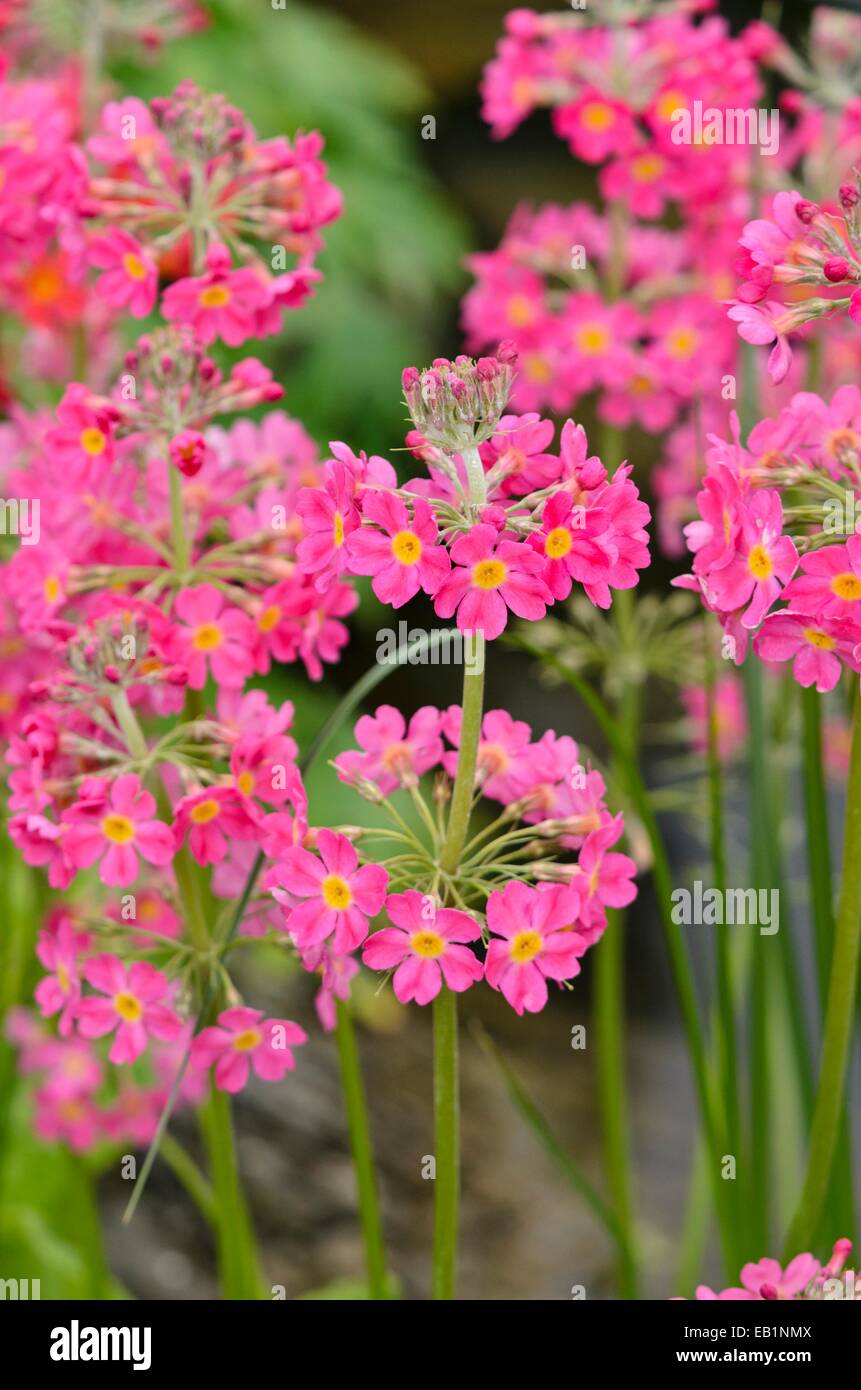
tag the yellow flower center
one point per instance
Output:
(134, 266)
(336, 893)
(207, 637)
(647, 168)
(759, 562)
(670, 102)
(427, 944)
(51, 589)
(592, 338)
(339, 529)
(488, 574)
(214, 297)
(205, 811)
(520, 311)
(558, 542)
(406, 547)
(596, 115)
(536, 367)
(819, 639)
(682, 342)
(846, 586)
(63, 979)
(128, 1007)
(269, 618)
(843, 441)
(525, 945)
(245, 783)
(118, 829)
(246, 1040)
(93, 441)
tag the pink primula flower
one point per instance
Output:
(492, 574)
(223, 303)
(213, 636)
(536, 939)
(329, 895)
(124, 827)
(242, 1041)
(394, 755)
(403, 556)
(815, 646)
(131, 278)
(133, 1006)
(426, 946)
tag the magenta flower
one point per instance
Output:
(767, 322)
(815, 646)
(242, 1041)
(213, 818)
(131, 278)
(215, 636)
(492, 574)
(829, 585)
(394, 755)
(540, 941)
(763, 564)
(60, 991)
(426, 946)
(608, 876)
(124, 827)
(329, 896)
(766, 1278)
(403, 556)
(329, 515)
(133, 1006)
(223, 303)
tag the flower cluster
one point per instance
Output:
(804, 1279)
(499, 524)
(777, 525)
(518, 888)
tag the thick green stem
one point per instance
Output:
(446, 1083)
(363, 1158)
(237, 1255)
(610, 1020)
(446, 1103)
(179, 539)
(841, 1202)
(839, 1014)
(726, 1050)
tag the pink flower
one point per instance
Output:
(131, 278)
(243, 1040)
(60, 991)
(394, 755)
(540, 941)
(766, 1279)
(829, 585)
(596, 126)
(493, 574)
(133, 1006)
(815, 646)
(329, 895)
(188, 452)
(567, 540)
(215, 636)
(329, 515)
(506, 755)
(403, 556)
(766, 323)
(608, 877)
(213, 818)
(426, 946)
(764, 561)
(223, 303)
(124, 827)
(337, 972)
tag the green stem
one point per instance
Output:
(841, 1202)
(179, 539)
(446, 1083)
(839, 1013)
(363, 1158)
(726, 1050)
(446, 1101)
(186, 1170)
(237, 1255)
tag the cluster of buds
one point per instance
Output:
(457, 405)
(173, 389)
